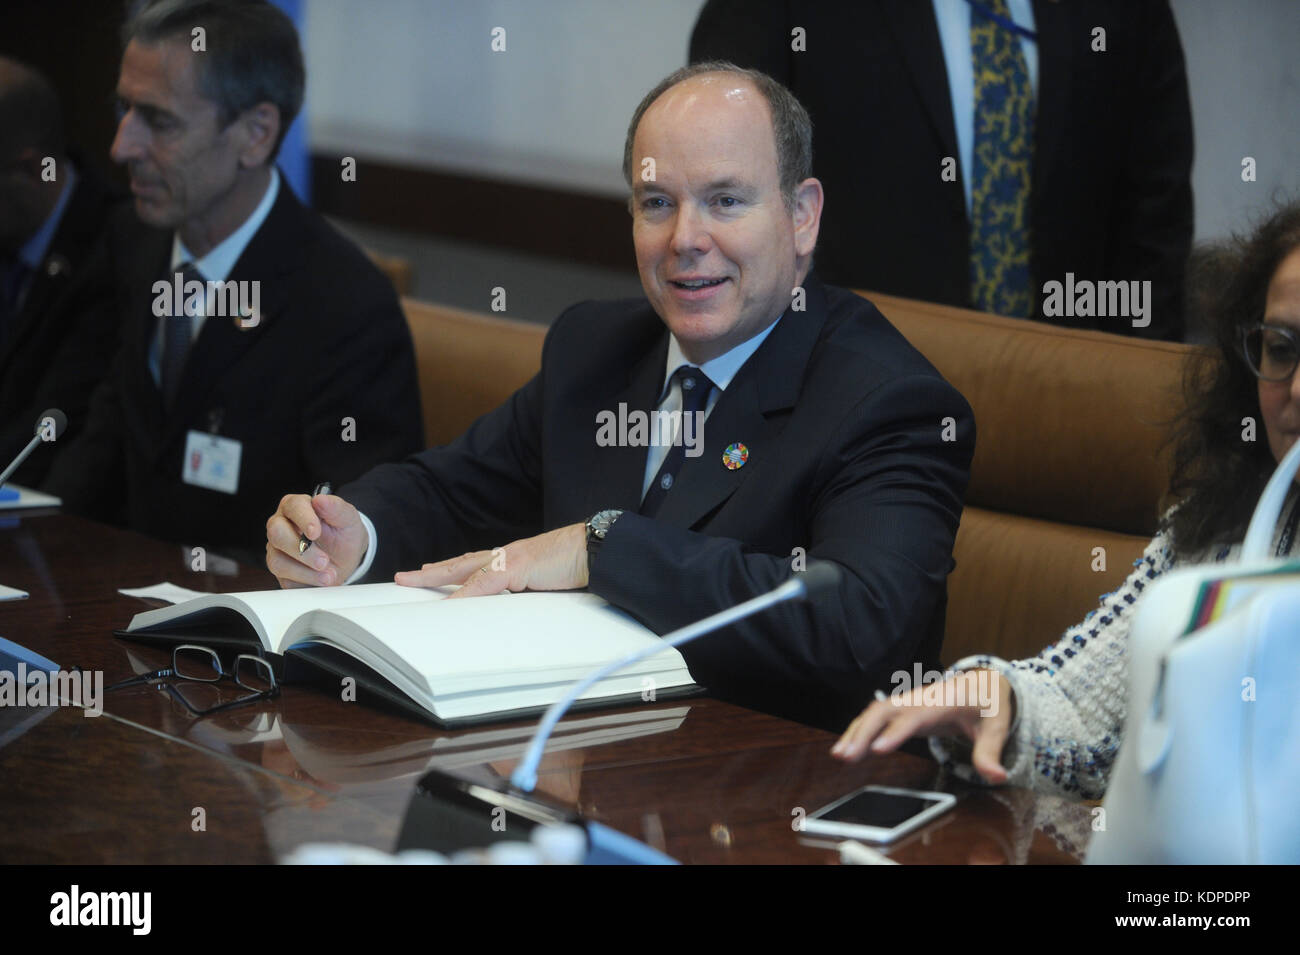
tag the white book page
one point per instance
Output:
(273, 611)
(503, 640)
(282, 607)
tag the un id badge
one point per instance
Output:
(212, 461)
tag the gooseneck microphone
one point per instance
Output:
(820, 576)
(57, 421)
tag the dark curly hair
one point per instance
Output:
(1218, 476)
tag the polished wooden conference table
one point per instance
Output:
(706, 782)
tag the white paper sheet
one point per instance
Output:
(169, 592)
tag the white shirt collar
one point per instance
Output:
(721, 369)
(217, 265)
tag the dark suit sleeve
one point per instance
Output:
(1152, 229)
(76, 367)
(886, 509)
(482, 490)
(72, 363)
(370, 413)
(89, 473)
(89, 470)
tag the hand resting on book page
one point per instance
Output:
(556, 560)
(338, 540)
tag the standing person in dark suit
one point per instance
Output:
(55, 322)
(800, 425)
(1102, 163)
(300, 368)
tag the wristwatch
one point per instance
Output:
(598, 526)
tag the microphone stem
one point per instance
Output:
(525, 775)
(22, 456)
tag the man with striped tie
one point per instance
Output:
(216, 401)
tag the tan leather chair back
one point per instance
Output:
(1068, 459)
(468, 363)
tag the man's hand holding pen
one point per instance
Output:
(337, 540)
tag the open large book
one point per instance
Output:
(458, 661)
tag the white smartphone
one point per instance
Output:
(878, 814)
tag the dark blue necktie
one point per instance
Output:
(695, 386)
(177, 331)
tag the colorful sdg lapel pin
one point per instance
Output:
(735, 456)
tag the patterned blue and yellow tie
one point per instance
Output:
(1000, 167)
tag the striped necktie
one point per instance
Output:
(1000, 167)
(177, 332)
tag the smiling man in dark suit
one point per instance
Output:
(301, 370)
(814, 431)
(55, 325)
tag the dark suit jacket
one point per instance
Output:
(844, 423)
(55, 353)
(1111, 196)
(332, 343)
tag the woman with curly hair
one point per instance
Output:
(1055, 722)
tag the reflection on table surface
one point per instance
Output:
(701, 780)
